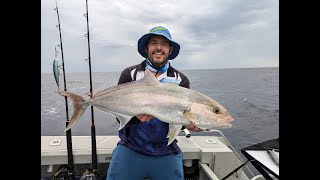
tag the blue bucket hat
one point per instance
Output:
(159, 30)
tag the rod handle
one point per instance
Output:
(187, 133)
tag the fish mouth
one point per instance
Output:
(224, 125)
(228, 118)
(227, 125)
(231, 119)
(225, 122)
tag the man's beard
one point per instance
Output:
(158, 64)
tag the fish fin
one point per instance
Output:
(190, 116)
(148, 79)
(124, 119)
(171, 84)
(173, 132)
(79, 106)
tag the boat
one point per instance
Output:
(204, 157)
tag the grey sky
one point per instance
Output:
(213, 34)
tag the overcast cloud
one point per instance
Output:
(213, 34)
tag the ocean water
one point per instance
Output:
(251, 95)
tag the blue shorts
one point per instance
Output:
(128, 164)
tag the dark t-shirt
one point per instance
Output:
(149, 138)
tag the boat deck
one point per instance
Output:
(211, 152)
(54, 148)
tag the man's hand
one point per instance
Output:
(144, 117)
(147, 118)
(192, 127)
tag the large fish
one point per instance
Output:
(168, 102)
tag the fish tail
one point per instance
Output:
(79, 106)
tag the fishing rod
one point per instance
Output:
(71, 173)
(93, 130)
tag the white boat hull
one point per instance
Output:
(211, 154)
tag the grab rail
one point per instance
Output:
(231, 147)
(208, 172)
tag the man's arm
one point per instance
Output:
(125, 77)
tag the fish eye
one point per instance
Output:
(216, 110)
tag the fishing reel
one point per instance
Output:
(89, 174)
(63, 173)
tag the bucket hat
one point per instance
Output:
(158, 30)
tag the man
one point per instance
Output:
(142, 151)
